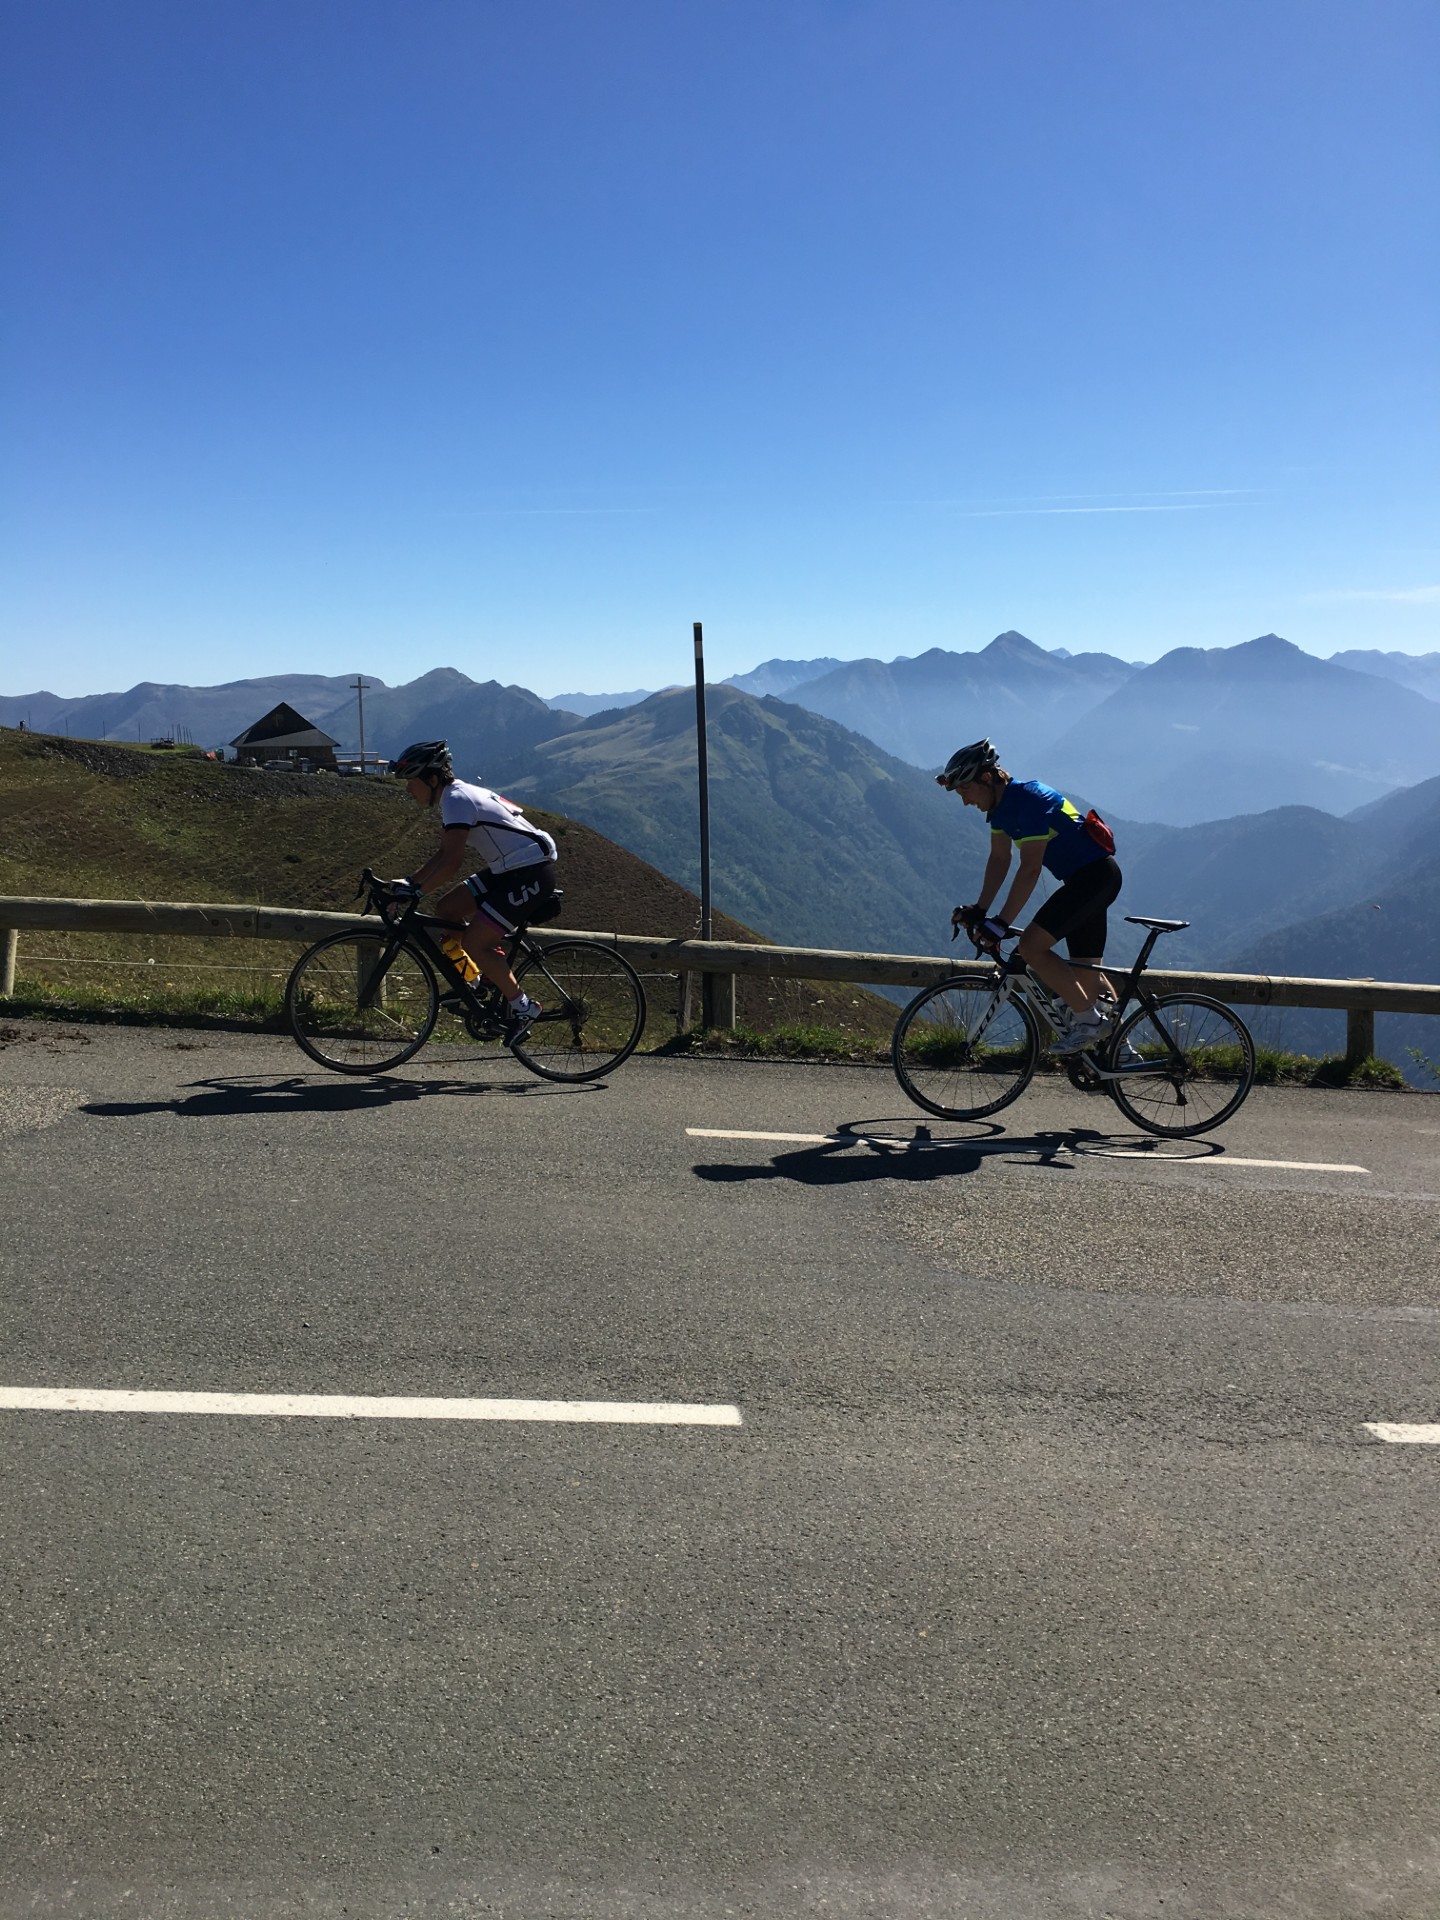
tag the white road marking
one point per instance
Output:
(1218, 1160)
(344, 1406)
(1402, 1434)
(800, 1139)
(1108, 1153)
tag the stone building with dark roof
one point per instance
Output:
(286, 737)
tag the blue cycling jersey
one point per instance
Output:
(1028, 810)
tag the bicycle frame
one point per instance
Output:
(411, 928)
(1016, 979)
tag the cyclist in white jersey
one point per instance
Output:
(514, 867)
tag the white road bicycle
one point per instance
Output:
(1178, 1064)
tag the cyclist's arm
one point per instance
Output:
(996, 868)
(446, 861)
(1032, 859)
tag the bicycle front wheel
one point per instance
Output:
(963, 1051)
(354, 1012)
(1185, 1064)
(592, 1010)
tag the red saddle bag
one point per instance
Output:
(1099, 832)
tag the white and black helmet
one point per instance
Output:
(968, 763)
(425, 756)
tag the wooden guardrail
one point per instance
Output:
(727, 960)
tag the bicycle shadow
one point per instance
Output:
(297, 1094)
(913, 1151)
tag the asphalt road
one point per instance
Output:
(1052, 1572)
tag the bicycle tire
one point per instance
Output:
(934, 1058)
(1217, 1052)
(593, 1010)
(324, 1012)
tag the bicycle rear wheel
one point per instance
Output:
(964, 1050)
(593, 1010)
(1195, 1063)
(350, 1020)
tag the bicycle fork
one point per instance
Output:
(999, 998)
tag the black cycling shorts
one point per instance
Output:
(510, 899)
(1075, 912)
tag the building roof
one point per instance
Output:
(282, 727)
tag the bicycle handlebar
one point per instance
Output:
(382, 895)
(973, 923)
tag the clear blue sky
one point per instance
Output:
(514, 337)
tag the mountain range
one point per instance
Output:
(822, 837)
(1264, 724)
(813, 828)
(1200, 732)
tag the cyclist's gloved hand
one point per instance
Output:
(404, 885)
(995, 930)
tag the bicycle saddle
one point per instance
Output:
(1160, 926)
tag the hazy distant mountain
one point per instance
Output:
(1408, 819)
(779, 677)
(212, 715)
(483, 721)
(1238, 878)
(817, 837)
(922, 709)
(1225, 729)
(588, 703)
(1388, 928)
(479, 719)
(1420, 671)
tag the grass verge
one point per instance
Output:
(238, 1009)
(232, 1008)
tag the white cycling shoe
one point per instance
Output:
(1086, 1030)
(523, 1014)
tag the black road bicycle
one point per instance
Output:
(1180, 1064)
(363, 1001)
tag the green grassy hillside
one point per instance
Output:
(98, 821)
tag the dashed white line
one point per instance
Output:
(1401, 1434)
(343, 1406)
(1156, 1157)
(798, 1139)
(1219, 1160)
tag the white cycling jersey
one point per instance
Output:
(500, 836)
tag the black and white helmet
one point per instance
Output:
(968, 763)
(425, 756)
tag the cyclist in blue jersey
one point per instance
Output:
(1050, 832)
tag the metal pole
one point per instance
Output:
(360, 685)
(706, 930)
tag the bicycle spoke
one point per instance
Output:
(593, 1010)
(962, 1050)
(355, 1012)
(1184, 1065)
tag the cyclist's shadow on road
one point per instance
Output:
(918, 1155)
(297, 1094)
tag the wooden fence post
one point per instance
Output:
(1359, 1035)
(7, 962)
(722, 1001)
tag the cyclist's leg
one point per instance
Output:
(500, 904)
(1075, 912)
(1086, 944)
(483, 939)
